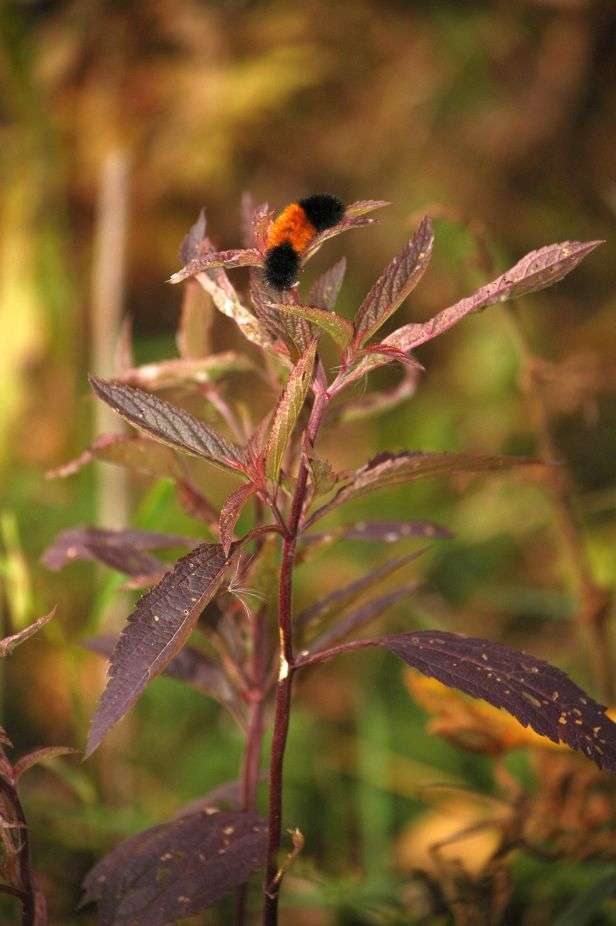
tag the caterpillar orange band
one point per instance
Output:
(291, 233)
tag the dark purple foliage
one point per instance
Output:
(395, 283)
(189, 666)
(537, 694)
(121, 550)
(346, 595)
(360, 618)
(167, 423)
(324, 291)
(176, 869)
(156, 631)
(384, 532)
(388, 469)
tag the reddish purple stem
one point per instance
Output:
(287, 668)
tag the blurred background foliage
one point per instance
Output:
(499, 113)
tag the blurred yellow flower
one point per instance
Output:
(469, 723)
(464, 832)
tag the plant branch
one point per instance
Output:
(312, 659)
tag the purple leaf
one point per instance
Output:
(196, 234)
(326, 288)
(277, 326)
(387, 350)
(8, 644)
(395, 284)
(194, 333)
(189, 666)
(343, 597)
(216, 282)
(168, 424)
(534, 272)
(121, 550)
(139, 454)
(156, 632)
(361, 617)
(231, 511)
(291, 327)
(255, 222)
(215, 260)
(195, 504)
(230, 792)
(171, 374)
(356, 215)
(375, 531)
(534, 692)
(392, 469)
(176, 869)
(392, 531)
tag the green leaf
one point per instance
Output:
(339, 329)
(584, 909)
(287, 411)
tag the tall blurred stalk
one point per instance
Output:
(111, 493)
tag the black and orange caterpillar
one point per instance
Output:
(291, 233)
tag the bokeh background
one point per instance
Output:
(118, 121)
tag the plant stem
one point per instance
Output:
(287, 667)
(254, 736)
(26, 893)
(281, 729)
